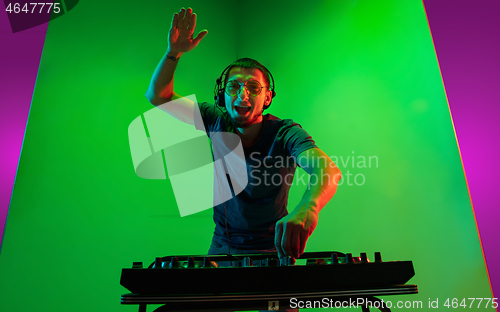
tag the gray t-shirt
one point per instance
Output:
(270, 162)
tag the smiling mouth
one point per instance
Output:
(242, 110)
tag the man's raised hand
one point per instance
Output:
(180, 37)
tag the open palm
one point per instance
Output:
(180, 37)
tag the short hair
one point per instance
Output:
(250, 63)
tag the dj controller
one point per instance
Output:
(263, 282)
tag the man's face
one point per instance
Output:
(243, 108)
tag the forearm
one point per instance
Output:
(322, 186)
(293, 231)
(161, 87)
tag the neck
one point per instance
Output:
(249, 135)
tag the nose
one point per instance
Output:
(243, 92)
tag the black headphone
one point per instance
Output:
(219, 90)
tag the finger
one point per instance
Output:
(187, 18)
(303, 239)
(182, 12)
(285, 243)
(294, 244)
(174, 21)
(200, 36)
(192, 23)
(277, 239)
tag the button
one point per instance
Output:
(348, 258)
(335, 258)
(364, 259)
(206, 262)
(270, 262)
(247, 262)
(157, 264)
(190, 262)
(174, 263)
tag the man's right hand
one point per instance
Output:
(180, 37)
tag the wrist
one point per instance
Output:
(173, 53)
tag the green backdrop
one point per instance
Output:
(360, 76)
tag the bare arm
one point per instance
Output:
(161, 87)
(293, 231)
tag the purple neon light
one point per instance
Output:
(465, 37)
(19, 59)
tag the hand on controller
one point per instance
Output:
(293, 231)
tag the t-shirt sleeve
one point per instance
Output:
(295, 139)
(207, 117)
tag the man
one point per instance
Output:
(255, 220)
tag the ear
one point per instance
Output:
(268, 99)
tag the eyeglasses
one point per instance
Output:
(233, 87)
